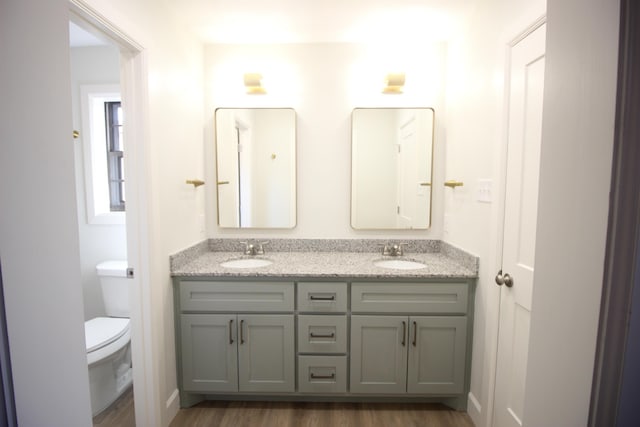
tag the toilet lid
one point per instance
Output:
(102, 331)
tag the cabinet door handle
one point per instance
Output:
(415, 333)
(331, 335)
(404, 333)
(241, 331)
(317, 298)
(323, 377)
(231, 331)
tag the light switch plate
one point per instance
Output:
(484, 191)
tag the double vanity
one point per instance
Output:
(331, 320)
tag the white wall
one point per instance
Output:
(44, 304)
(271, 177)
(38, 222)
(323, 83)
(174, 154)
(475, 150)
(578, 130)
(93, 65)
(374, 176)
(576, 147)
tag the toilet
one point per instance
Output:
(108, 339)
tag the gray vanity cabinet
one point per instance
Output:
(416, 354)
(237, 352)
(342, 339)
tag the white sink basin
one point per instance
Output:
(399, 264)
(246, 263)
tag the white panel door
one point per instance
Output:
(227, 169)
(521, 203)
(408, 179)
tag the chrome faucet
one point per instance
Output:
(253, 248)
(393, 249)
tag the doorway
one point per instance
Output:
(132, 79)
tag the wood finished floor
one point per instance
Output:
(121, 413)
(294, 414)
(312, 414)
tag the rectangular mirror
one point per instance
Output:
(256, 167)
(391, 163)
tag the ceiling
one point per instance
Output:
(320, 21)
(79, 37)
(311, 21)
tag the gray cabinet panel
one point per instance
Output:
(236, 296)
(266, 353)
(322, 374)
(378, 354)
(409, 298)
(326, 297)
(437, 355)
(322, 334)
(209, 360)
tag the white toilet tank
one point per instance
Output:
(115, 287)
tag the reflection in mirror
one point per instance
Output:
(391, 162)
(256, 167)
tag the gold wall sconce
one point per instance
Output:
(394, 83)
(453, 184)
(195, 182)
(253, 84)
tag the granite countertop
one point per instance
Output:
(200, 261)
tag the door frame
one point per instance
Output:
(621, 277)
(133, 82)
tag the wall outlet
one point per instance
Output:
(484, 191)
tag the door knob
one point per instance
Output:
(508, 280)
(504, 279)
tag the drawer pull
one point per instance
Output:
(415, 333)
(323, 377)
(231, 331)
(331, 335)
(404, 333)
(318, 298)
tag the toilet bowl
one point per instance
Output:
(108, 339)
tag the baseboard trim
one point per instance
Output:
(173, 404)
(474, 409)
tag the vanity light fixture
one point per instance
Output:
(394, 83)
(253, 83)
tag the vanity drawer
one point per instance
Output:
(322, 334)
(409, 297)
(236, 296)
(324, 297)
(322, 374)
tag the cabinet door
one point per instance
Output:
(266, 353)
(209, 355)
(379, 354)
(437, 352)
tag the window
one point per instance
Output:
(115, 151)
(103, 150)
